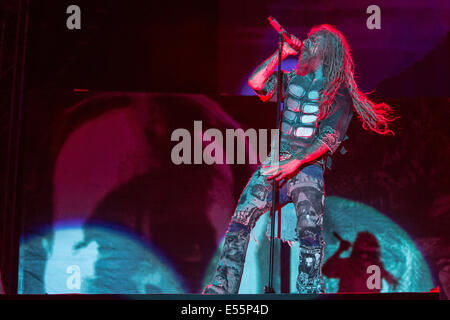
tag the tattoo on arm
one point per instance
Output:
(314, 151)
(263, 72)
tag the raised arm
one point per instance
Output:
(262, 73)
(335, 265)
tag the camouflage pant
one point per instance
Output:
(306, 192)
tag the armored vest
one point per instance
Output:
(300, 110)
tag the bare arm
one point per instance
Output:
(264, 70)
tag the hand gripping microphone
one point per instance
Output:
(284, 33)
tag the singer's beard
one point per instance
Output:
(303, 64)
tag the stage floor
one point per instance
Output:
(247, 297)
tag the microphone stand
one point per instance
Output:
(269, 288)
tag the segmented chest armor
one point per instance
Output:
(300, 110)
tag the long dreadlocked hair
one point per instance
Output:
(338, 68)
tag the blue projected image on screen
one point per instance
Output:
(116, 262)
(74, 258)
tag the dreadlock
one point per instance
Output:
(338, 68)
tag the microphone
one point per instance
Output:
(337, 236)
(284, 33)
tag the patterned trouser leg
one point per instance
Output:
(254, 201)
(307, 194)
